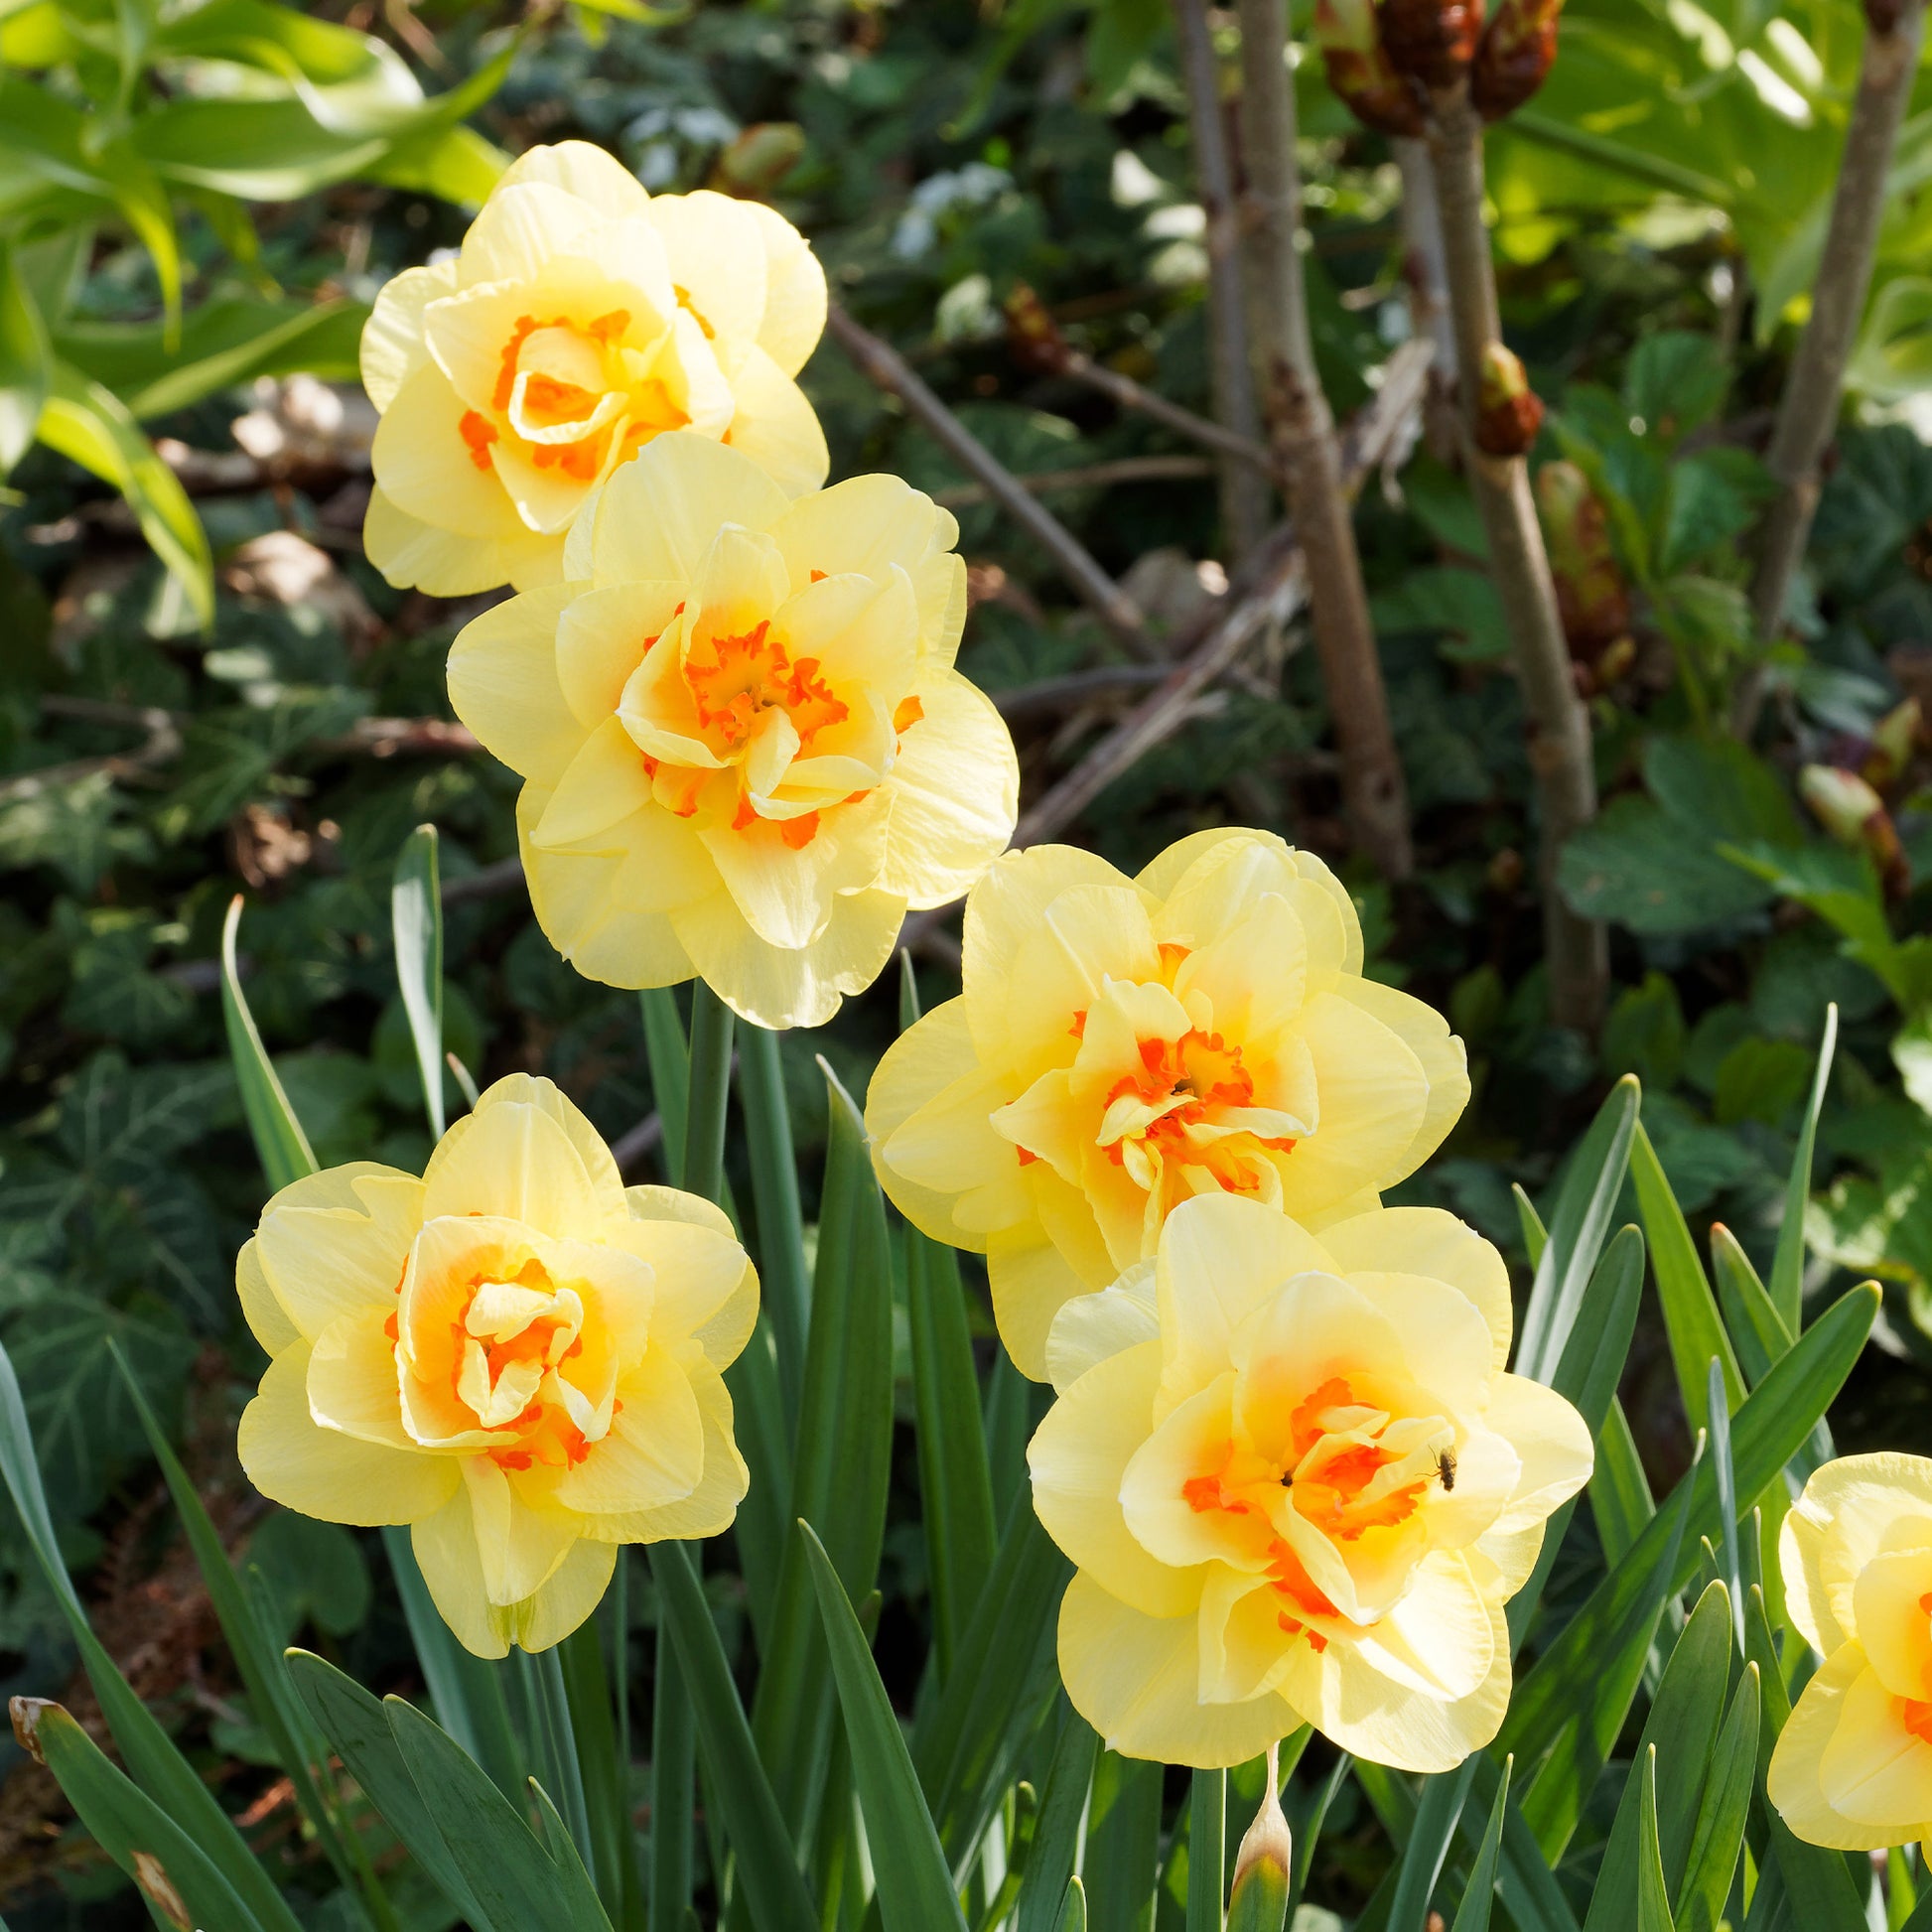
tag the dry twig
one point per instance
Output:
(1129, 395)
(1094, 475)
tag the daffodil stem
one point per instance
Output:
(775, 1193)
(670, 1055)
(710, 1068)
(1207, 1850)
(672, 1787)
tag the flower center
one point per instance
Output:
(735, 680)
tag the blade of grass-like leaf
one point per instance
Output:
(1726, 1493)
(673, 1787)
(1074, 1914)
(1619, 1491)
(1057, 1837)
(1680, 1732)
(1718, 1836)
(465, 1080)
(710, 1093)
(1123, 1842)
(955, 1485)
(1307, 1824)
(1580, 1715)
(1208, 1810)
(916, 1892)
(182, 1886)
(1691, 1319)
(602, 1770)
(357, 1729)
(510, 1875)
(280, 1144)
(774, 1196)
(1535, 1237)
(1901, 1887)
(1577, 1231)
(1818, 1882)
(271, 1697)
(1587, 1375)
(844, 1459)
(1430, 1837)
(1529, 1890)
(1653, 1900)
(579, 1889)
(967, 1740)
(670, 1055)
(1762, 1335)
(1788, 1261)
(767, 1863)
(466, 1695)
(1008, 1425)
(1764, 1433)
(151, 1756)
(416, 920)
(1480, 1895)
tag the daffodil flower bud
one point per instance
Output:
(1258, 1899)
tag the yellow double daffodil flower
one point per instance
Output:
(1298, 1487)
(515, 1356)
(581, 319)
(1122, 1046)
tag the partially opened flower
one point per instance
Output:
(1853, 1767)
(745, 747)
(1122, 1046)
(581, 319)
(517, 1355)
(1298, 1487)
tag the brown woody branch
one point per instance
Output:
(1129, 395)
(883, 365)
(1094, 475)
(1302, 431)
(1808, 410)
(1576, 948)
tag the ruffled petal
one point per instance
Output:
(955, 793)
(335, 1242)
(504, 685)
(392, 338)
(1794, 1782)
(1433, 1242)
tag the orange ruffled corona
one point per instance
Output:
(581, 319)
(746, 749)
(517, 1355)
(1298, 1487)
(1122, 1046)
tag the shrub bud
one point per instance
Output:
(1856, 816)
(1591, 598)
(1431, 40)
(1892, 741)
(1359, 70)
(1513, 55)
(1508, 411)
(1033, 337)
(761, 157)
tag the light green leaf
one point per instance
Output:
(91, 426)
(1788, 1262)
(416, 920)
(915, 1891)
(1057, 1836)
(782, 1279)
(1430, 1837)
(1653, 1900)
(25, 370)
(1718, 1836)
(280, 1144)
(1480, 1895)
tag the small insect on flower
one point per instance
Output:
(1446, 1470)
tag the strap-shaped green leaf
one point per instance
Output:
(1437, 1814)
(1123, 1842)
(26, 372)
(1529, 1890)
(180, 1883)
(1208, 1811)
(1761, 1332)
(774, 1194)
(150, 1754)
(1718, 1836)
(767, 1863)
(1480, 1895)
(513, 1882)
(605, 1775)
(1788, 1262)
(1057, 1836)
(916, 1892)
(280, 1144)
(670, 1055)
(357, 1728)
(1576, 1232)
(1691, 1320)
(1653, 1897)
(416, 920)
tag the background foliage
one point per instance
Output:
(194, 206)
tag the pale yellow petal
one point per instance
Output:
(1850, 1509)
(520, 1538)
(1079, 1457)
(583, 170)
(1427, 1241)
(713, 1504)
(353, 1384)
(599, 797)
(1006, 908)
(787, 897)
(1872, 1770)
(776, 986)
(335, 1242)
(600, 639)
(521, 229)
(716, 248)
(410, 552)
(1136, 1679)
(392, 338)
(517, 1159)
(655, 1452)
(955, 793)
(293, 1460)
(424, 467)
(707, 1287)
(775, 426)
(1030, 1279)
(653, 1203)
(1894, 1628)
(566, 1598)
(503, 684)
(550, 1100)
(657, 514)
(1445, 1062)
(1091, 1328)
(1162, 876)
(1551, 1439)
(794, 292)
(268, 1321)
(1794, 1782)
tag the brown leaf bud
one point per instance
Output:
(1893, 739)
(1033, 337)
(1856, 816)
(1508, 411)
(1431, 40)
(1591, 598)
(1359, 71)
(1513, 55)
(761, 157)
